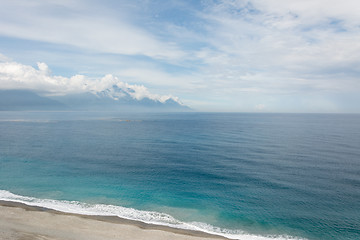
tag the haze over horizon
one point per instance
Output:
(230, 55)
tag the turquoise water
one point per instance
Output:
(284, 175)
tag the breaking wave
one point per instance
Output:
(149, 217)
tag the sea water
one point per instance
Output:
(244, 176)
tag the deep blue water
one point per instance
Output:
(265, 174)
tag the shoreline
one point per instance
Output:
(16, 223)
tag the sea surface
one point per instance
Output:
(240, 175)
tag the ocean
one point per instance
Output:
(240, 175)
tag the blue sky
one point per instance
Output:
(236, 55)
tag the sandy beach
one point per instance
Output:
(22, 222)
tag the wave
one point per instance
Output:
(149, 217)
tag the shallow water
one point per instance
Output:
(263, 174)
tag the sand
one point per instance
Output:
(22, 222)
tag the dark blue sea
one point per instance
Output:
(245, 176)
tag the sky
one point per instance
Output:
(230, 55)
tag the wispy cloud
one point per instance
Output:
(3, 58)
(80, 25)
(284, 40)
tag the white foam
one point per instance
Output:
(132, 214)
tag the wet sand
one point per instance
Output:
(22, 222)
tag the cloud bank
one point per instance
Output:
(15, 75)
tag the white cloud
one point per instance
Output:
(18, 76)
(43, 68)
(291, 45)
